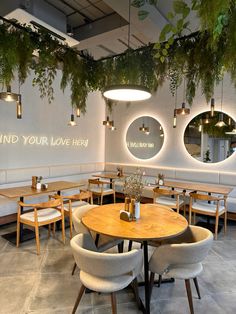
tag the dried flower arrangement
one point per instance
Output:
(133, 186)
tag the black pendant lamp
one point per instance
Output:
(183, 110)
(221, 122)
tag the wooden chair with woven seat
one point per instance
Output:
(208, 205)
(72, 202)
(170, 198)
(99, 188)
(43, 214)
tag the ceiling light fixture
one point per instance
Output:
(175, 116)
(107, 122)
(206, 120)
(200, 126)
(77, 112)
(127, 92)
(8, 95)
(221, 122)
(147, 130)
(183, 110)
(212, 107)
(72, 121)
(19, 108)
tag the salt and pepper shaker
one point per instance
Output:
(127, 201)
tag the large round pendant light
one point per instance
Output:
(127, 92)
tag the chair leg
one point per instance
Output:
(37, 239)
(225, 222)
(136, 293)
(81, 291)
(49, 230)
(189, 294)
(101, 199)
(54, 228)
(70, 224)
(159, 281)
(114, 195)
(152, 277)
(130, 245)
(18, 233)
(189, 215)
(113, 303)
(216, 226)
(63, 229)
(121, 247)
(74, 268)
(197, 287)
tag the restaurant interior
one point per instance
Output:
(118, 140)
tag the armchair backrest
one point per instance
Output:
(196, 244)
(77, 216)
(104, 264)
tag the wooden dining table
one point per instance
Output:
(198, 186)
(21, 192)
(109, 176)
(157, 222)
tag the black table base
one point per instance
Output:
(27, 234)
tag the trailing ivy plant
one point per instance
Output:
(203, 56)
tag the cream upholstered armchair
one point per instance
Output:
(102, 242)
(182, 258)
(104, 272)
(170, 198)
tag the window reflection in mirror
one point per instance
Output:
(211, 139)
(144, 137)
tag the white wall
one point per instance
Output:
(50, 120)
(161, 106)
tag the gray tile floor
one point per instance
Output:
(43, 284)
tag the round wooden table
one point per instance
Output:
(156, 222)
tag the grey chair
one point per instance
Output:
(181, 258)
(102, 242)
(104, 272)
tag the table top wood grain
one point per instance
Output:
(23, 191)
(156, 222)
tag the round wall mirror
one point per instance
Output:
(210, 138)
(144, 137)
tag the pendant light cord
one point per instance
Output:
(129, 27)
(175, 97)
(184, 90)
(222, 94)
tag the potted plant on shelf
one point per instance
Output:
(133, 188)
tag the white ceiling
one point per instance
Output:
(101, 27)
